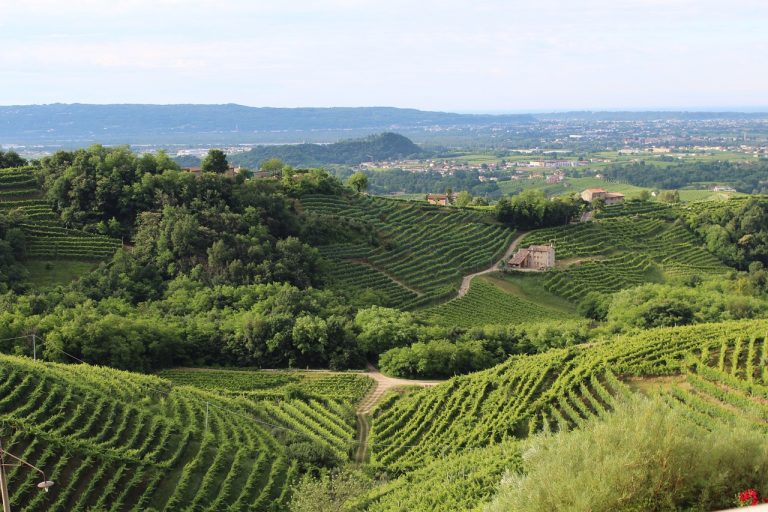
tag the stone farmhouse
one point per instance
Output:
(441, 199)
(536, 257)
(610, 198)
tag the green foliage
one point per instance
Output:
(477, 348)
(531, 209)
(670, 196)
(117, 439)
(644, 456)
(348, 387)
(746, 177)
(659, 306)
(461, 481)
(215, 161)
(358, 181)
(329, 491)
(10, 159)
(437, 359)
(384, 328)
(737, 231)
(389, 181)
(559, 389)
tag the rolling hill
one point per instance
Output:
(115, 440)
(561, 389)
(385, 146)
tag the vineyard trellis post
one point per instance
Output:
(4, 482)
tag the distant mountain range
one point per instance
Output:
(79, 124)
(386, 146)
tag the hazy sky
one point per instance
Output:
(479, 55)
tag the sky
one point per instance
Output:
(451, 55)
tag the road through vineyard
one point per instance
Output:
(383, 384)
(467, 280)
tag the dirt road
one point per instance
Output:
(382, 385)
(467, 280)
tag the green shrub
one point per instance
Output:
(644, 457)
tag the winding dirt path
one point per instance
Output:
(467, 280)
(381, 386)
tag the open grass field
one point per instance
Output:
(44, 273)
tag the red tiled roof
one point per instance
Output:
(519, 257)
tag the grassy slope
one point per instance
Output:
(44, 273)
(499, 301)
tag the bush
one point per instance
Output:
(644, 457)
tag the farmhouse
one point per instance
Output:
(443, 199)
(536, 257)
(610, 198)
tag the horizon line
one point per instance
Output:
(714, 109)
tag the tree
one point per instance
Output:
(670, 196)
(463, 198)
(383, 328)
(645, 195)
(358, 181)
(215, 161)
(11, 159)
(273, 166)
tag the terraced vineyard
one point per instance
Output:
(458, 481)
(554, 390)
(45, 237)
(114, 440)
(728, 383)
(633, 208)
(349, 387)
(605, 276)
(632, 249)
(487, 304)
(425, 249)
